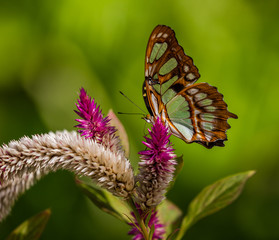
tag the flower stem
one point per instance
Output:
(143, 228)
(140, 220)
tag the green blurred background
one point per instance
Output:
(49, 49)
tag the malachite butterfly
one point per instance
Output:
(194, 112)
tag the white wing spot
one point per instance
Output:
(191, 76)
(197, 111)
(199, 136)
(179, 56)
(159, 34)
(192, 91)
(149, 69)
(208, 137)
(186, 68)
(155, 104)
(165, 35)
(146, 72)
(163, 115)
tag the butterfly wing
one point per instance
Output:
(166, 63)
(195, 112)
(165, 58)
(199, 114)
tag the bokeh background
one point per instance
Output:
(49, 49)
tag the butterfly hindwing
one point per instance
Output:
(204, 118)
(195, 112)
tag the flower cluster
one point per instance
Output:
(96, 153)
(10, 190)
(64, 150)
(92, 123)
(156, 166)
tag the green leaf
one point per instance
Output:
(32, 228)
(106, 201)
(214, 198)
(121, 132)
(152, 230)
(148, 218)
(170, 215)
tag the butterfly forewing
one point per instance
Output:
(195, 112)
(166, 59)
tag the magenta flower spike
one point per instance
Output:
(156, 166)
(92, 125)
(159, 230)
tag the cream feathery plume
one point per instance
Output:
(25, 160)
(10, 190)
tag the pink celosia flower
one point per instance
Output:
(156, 166)
(93, 124)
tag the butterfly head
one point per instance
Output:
(147, 118)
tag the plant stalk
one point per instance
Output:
(140, 220)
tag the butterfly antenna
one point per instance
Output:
(130, 113)
(133, 103)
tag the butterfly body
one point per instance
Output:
(194, 112)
